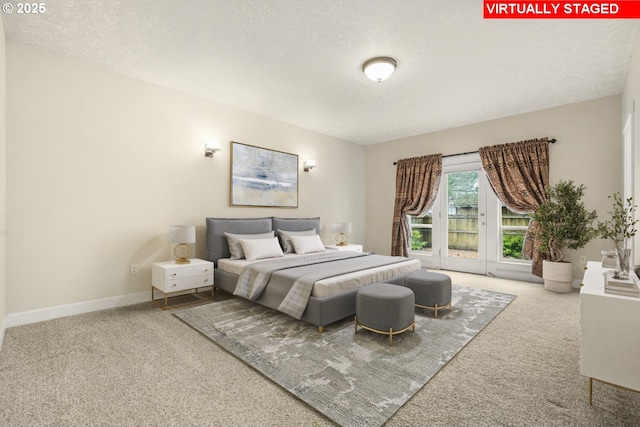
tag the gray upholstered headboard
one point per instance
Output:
(217, 246)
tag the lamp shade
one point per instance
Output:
(341, 227)
(214, 144)
(379, 69)
(182, 234)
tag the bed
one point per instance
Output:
(327, 280)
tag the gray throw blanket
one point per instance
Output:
(255, 277)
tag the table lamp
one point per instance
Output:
(342, 228)
(182, 235)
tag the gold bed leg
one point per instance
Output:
(390, 337)
(321, 329)
(590, 390)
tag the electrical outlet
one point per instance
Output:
(583, 259)
(133, 269)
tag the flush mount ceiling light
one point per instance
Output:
(380, 68)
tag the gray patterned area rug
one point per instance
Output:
(353, 379)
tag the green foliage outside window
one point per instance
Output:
(512, 246)
(417, 243)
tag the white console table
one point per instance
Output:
(609, 334)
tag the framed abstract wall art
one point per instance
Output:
(262, 177)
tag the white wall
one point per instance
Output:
(101, 164)
(630, 100)
(3, 181)
(588, 151)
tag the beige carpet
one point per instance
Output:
(139, 365)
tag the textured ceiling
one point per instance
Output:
(299, 61)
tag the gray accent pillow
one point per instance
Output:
(285, 238)
(235, 247)
(296, 224)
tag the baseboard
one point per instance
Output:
(40, 315)
(512, 271)
(2, 328)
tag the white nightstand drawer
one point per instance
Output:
(163, 271)
(190, 271)
(350, 247)
(174, 285)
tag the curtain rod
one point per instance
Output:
(551, 141)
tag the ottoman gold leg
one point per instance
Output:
(435, 307)
(391, 332)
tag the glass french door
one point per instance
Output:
(464, 223)
(453, 234)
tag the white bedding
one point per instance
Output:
(335, 285)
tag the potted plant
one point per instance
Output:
(620, 229)
(563, 222)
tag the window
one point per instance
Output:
(513, 227)
(422, 233)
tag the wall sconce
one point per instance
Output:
(309, 164)
(210, 150)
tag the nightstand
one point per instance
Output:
(355, 248)
(169, 278)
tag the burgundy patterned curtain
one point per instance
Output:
(417, 181)
(519, 175)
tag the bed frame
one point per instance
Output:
(320, 311)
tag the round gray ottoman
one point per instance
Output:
(431, 290)
(385, 309)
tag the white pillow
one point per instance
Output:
(285, 238)
(261, 248)
(234, 242)
(307, 244)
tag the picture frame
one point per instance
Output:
(262, 177)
